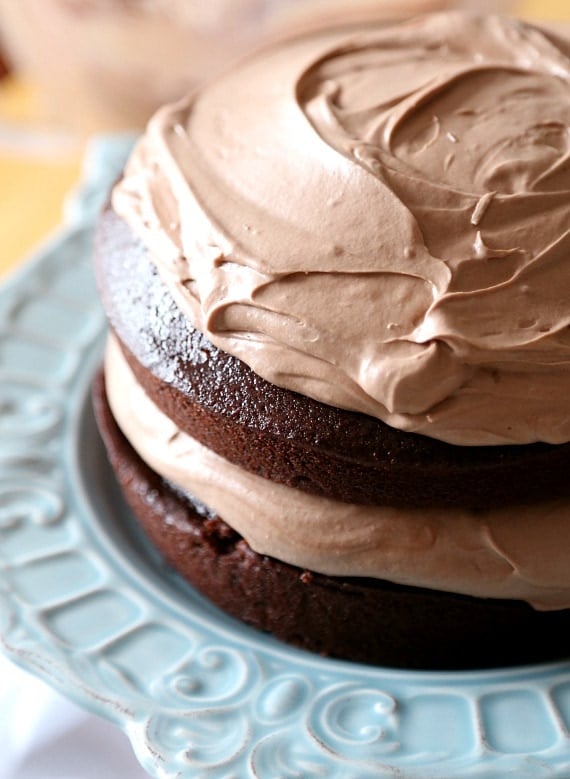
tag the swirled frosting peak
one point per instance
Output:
(379, 218)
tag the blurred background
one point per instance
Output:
(71, 68)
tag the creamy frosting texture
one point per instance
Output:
(379, 219)
(508, 553)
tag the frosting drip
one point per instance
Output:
(504, 553)
(379, 219)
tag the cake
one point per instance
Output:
(336, 391)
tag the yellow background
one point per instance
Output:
(38, 167)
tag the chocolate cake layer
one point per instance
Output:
(363, 620)
(289, 438)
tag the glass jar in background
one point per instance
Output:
(104, 65)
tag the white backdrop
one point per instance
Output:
(45, 736)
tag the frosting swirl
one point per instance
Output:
(379, 219)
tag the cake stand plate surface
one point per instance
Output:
(86, 605)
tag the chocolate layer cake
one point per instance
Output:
(337, 389)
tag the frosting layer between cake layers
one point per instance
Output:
(516, 552)
(379, 219)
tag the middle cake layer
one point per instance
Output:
(499, 553)
(288, 438)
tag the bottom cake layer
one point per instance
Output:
(363, 620)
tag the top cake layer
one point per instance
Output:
(379, 219)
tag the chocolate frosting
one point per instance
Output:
(379, 219)
(515, 552)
